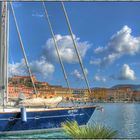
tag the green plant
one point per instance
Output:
(95, 131)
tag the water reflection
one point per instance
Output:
(129, 117)
(121, 117)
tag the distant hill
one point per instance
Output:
(99, 88)
(132, 86)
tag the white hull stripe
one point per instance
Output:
(44, 117)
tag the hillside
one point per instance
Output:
(132, 86)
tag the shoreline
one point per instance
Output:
(92, 101)
(138, 102)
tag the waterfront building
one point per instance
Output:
(22, 84)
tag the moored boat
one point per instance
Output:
(27, 116)
(11, 120)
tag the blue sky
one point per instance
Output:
(107, 35)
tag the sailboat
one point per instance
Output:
(22, 118)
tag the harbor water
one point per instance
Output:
(123, 117)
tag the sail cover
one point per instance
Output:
(41, 102)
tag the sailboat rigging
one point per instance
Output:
(21, 45)
(75, 46)
(32, 114)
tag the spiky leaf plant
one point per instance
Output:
(94, 132)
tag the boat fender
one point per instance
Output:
(23, 114)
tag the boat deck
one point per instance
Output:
(8, 110)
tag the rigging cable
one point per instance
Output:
(57, 50)
(22, 47)
(7, 54)
(75, 46)
(56, 46)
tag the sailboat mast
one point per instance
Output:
(7, 50)
(3, 52)
(1, 56)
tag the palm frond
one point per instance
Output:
(95, 131)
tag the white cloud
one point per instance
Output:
(135, 64)
(107, 60)
(122, 43)
(17, 4)
(38, 15)
(78, 75)
(39, 67)
(99, 78)
(99, 50)
(95, 61)
(42, 67)
(125, 73)
(18, 68)
(66, 49)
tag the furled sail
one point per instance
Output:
(39, 102)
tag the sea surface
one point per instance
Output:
(123, 117)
